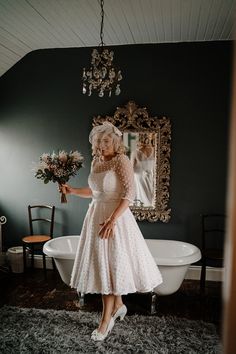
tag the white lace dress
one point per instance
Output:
(144, 177)
(118, 265)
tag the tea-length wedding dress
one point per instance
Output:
(122, 264)
(144, 177)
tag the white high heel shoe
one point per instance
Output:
(121, 312)
(98, 336)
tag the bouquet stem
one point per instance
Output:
(63, 195)
(63, 198)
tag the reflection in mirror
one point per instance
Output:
(141, 151)
(147, 140)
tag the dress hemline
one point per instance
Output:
(118, 294)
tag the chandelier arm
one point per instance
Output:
(102, 76)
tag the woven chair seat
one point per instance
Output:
(36, 238)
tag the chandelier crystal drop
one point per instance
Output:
(102, 76)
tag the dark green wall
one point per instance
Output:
(42, 108)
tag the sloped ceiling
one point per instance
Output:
(26, 25)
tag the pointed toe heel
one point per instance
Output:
(121, 312)
(97, 336)
(122, 317)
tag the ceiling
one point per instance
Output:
(26, 25)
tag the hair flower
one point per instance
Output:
(105, 127)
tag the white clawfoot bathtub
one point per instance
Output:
(172, 257)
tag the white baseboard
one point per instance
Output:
(212, 273)
(193, 273)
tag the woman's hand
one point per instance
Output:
(107, 229)
(66, 189)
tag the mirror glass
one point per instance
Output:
(141, 152)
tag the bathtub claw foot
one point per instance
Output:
(81, 299)
(153, 303)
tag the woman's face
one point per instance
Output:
(104, 143)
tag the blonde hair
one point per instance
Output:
(118, 145)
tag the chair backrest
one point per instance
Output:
(49, 220)
(213, 230)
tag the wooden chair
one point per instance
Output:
(35, 242)
(213, 230)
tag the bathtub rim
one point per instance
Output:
(52, 252)
(178, 260)
(160, 261)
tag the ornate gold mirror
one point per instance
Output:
(147, 140)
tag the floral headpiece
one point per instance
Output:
(105, 127)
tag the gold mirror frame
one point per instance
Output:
(131, 118)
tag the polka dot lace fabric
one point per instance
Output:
(122, 264)
(123, 168)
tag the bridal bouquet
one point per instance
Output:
(59, 168)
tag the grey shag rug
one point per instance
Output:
(49, 331)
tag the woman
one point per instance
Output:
(143, 160)
(112, 257)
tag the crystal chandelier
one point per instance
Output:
(102, 75)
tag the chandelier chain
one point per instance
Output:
(102, 23)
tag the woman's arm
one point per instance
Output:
(108, 225)
(123, 205)
(125, 174)
(85, 192)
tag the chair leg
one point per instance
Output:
(32, 256)
(24, 256)
(44, 266)
(203, 278)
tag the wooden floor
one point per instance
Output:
(32, 290)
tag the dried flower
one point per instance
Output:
(58, 167)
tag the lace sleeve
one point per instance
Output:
(126, 175)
